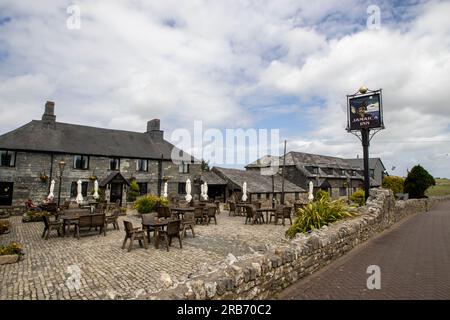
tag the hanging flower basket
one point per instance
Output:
(43, 177)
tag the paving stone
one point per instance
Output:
(106, 270)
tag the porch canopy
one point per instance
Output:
(113, 177)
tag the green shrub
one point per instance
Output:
(133, 193)
(149, 203)
(417, 182)
(322, 194)
(358, 197)
(394, 183)
(12, 248)
(318, 214)
(36, 214)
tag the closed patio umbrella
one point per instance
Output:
(188, 190)
(79, 198)
(202, 191)
(205, 191)
(244, 191)
(96, 195)
(52, 189)
(165, 190)
(310, 192)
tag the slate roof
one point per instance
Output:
(360, 162)
(304, 161)
(212, 178)
(77, 139)
(256, 183)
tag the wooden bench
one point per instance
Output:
(96, 220)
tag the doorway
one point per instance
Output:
(116, 192)
(6, 193)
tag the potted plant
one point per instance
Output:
(4, 226)
(10, 253)
(33, 216)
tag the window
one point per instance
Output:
(181, 187)
(267, 196)
(314, 170)
(7, 158)
(80, 162)
(372, 173)
(258, 196)
(183, 168)
(142, 188)
(342, 191)
(73, 189)
(141, 165)
(114, 164)
(297, 196)
(342, 172)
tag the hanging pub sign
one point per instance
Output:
(365, 111)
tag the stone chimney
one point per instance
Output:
(49, 113)
(153, 129)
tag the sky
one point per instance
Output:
(282, 64)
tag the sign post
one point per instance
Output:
(365, 112)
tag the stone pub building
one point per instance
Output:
(30, 157)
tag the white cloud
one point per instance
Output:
(199, 60)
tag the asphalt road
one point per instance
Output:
(413, 257)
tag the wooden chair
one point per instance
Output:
(133, 234)
(172, 231)
(211, 214)
(188, 222)
(199, 215)
(149, 217)
(51, 225)
(232, 206)
(276, 214)
(217, 204)
(163, 212)
(113, 219)
(285, 214)
(250, 214)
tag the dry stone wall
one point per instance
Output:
(263, 276)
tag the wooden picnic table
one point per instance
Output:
(180, 211)
(71, 215)
(267, 211)
(158, 224)
(240, 208)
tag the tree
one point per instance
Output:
(205, 165)
(418, 181)
(133, 193)
(394, 183)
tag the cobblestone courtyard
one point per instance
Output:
(108, 272)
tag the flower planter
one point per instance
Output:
(9, 258)
(32, 219)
